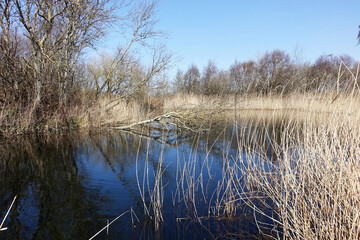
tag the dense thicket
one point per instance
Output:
(41, 44)
(274, 72)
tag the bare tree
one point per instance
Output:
(6, 19)
(142, 29)
(221, 83)
(41, 43)
(192, 79)
(82, 24)
(323, 74)
(58, 32)
(13, 74)
(180, 82)
(208, 78)
(119, 81)
(275, 70)
(242, 75)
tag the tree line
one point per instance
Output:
(275, 72)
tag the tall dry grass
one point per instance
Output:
(104, 114)
(314, 187)
(325, 102)
(309, 189)
(180, 101)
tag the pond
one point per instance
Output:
(70, 185)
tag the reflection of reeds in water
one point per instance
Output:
(152, 196)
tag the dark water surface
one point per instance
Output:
(69, 184)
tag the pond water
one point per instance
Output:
(68, 185)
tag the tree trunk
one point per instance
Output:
(37, 86)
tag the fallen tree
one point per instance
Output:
(172, 127)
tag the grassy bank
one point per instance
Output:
(107, 112)
(128, 112)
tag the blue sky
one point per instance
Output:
(226, 30)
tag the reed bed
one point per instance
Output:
(296, 170)
(307, 187)
(314, 185)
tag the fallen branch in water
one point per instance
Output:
(164, 129)
(172, 128)
(155, 119)
(198, 121)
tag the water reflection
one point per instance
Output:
(68, 185)
(52, 201)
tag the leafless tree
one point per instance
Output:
(192, 79)
(222, 83)
(243, 75)
(179, 82)
(275, 70)
(41, 43)
(142, 29)
(323, 74)
(208, 78)
(117, 81)
(13, 73)
(57, 33)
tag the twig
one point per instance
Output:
(108, 224)
(3, 229)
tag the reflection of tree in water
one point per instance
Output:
(51, 201)
(118, 151)
(44, 173)
(55, 202)
(115, 147)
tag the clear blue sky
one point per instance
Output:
(226, 30)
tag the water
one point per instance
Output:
(70, 184)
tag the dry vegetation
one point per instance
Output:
(44, 81)
(310, 189)
(304, 102)
(314, 185)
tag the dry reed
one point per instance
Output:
(314, 186)
(309, 189)
(152, 196)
